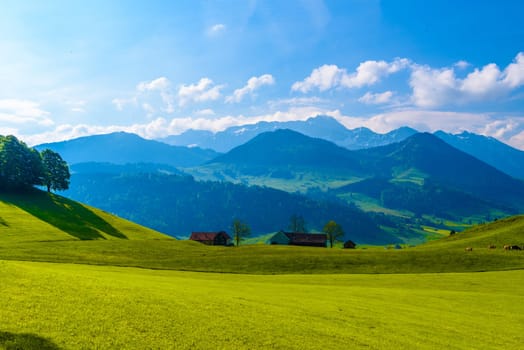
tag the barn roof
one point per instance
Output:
(207, 236)
(299, 237)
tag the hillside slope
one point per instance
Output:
(428, 157)
(40, 216)
(508, 231)
(488, 149)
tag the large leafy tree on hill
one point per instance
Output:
(56, 171)
(20, 165)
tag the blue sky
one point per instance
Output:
(74, 68)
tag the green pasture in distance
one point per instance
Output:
(68, 306)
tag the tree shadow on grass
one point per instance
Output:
(64, 214)
(25, 341)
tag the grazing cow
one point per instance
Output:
(468, 249)
(515, 247)
(492, 246)
(507, 247)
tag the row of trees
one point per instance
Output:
(22, 167)
(333, 230)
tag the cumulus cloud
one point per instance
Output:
(204, 90)
(370, 72)
(375, 99)
(513, 75)
(322, 78)
(436, 87)
(367, 73)
(253, 84)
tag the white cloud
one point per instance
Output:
(144, 93)
(322, 78)
(375, 99)
(367, 73)
(514, 73)
(158, 84)
(205, 112)
(436, 87)
(253, 84)
(216, 29)
(15, 111)
(298, 102)
(370, 72)
(204, 90)
(461, 64)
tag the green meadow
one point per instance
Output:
(89, 307)
(75, 277)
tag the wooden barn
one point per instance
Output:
(211, 238)
(299, 238)
(278, 238)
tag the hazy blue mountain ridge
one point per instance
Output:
(122, 148)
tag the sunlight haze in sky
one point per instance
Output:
(155, 68)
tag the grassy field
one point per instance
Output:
(89, 307)
(74, 277)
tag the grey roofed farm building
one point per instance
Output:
(211, 238)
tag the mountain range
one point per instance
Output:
(395, 189)
(487, 149)
(418, 160)
(322, 127)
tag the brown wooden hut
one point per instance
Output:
(211, 238)
(307, 239)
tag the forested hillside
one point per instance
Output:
(178, 205)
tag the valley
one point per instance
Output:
(384, 194)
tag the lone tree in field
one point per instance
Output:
(334, 232)
(297, 223)
(240, 231)
(56, 171)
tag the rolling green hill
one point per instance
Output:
(37, 216)
(499, 233)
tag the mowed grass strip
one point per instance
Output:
(89, 307)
